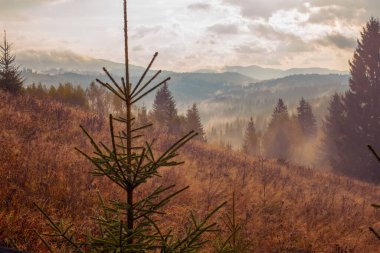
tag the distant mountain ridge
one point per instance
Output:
(187, 88)
(214, 91)
(58, 62)
(261, 73)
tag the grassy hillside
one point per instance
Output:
(281, 208)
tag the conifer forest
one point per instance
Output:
(219, 126)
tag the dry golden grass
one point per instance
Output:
(281, 208)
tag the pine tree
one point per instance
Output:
(97, 98)
(280, 113)
(10, 75)
(363, 105)
(251, 139)
(306, 119)
(132, 225)
(67, 93)
(277, 140)
(142, 116)
(193, 122)
(333, 127)
(362, 109)
(164, 111)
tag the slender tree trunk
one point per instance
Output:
(129, 127)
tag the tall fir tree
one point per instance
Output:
(306, 119)
(164, 112)
(277, 139)
(251, 143)
(10, 75)
(362, 109)
(193, 122)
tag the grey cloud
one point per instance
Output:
(263, 8)
(286, 42)
(12, 5)
(331, 14)
(142, 31)
(296, 45)
(224, 29)
(341, 3)
(349, 11)
(199, 7)
(138, 48)
(374, 7)
(269, 32)
(338, 40)
(249, 49)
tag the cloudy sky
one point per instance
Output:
(194, 34)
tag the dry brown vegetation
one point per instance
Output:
(281, 208)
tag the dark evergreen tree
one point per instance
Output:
(362, 103)
(142, 116)
(361, 109)
(69, 94)
(306, 119)
(31, 89)
(333, 127)
(280, 113)
(277, 139)
(42, 91)
(164, 111)
(251, 140)
(193, 122)
(97, 99)
(10, 75)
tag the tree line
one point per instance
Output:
(283, 134)
(164, 113)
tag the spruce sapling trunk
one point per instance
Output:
(128, 105)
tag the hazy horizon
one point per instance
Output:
(30, 58)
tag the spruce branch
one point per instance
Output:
(145, 72)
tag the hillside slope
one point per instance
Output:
(282, 208)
